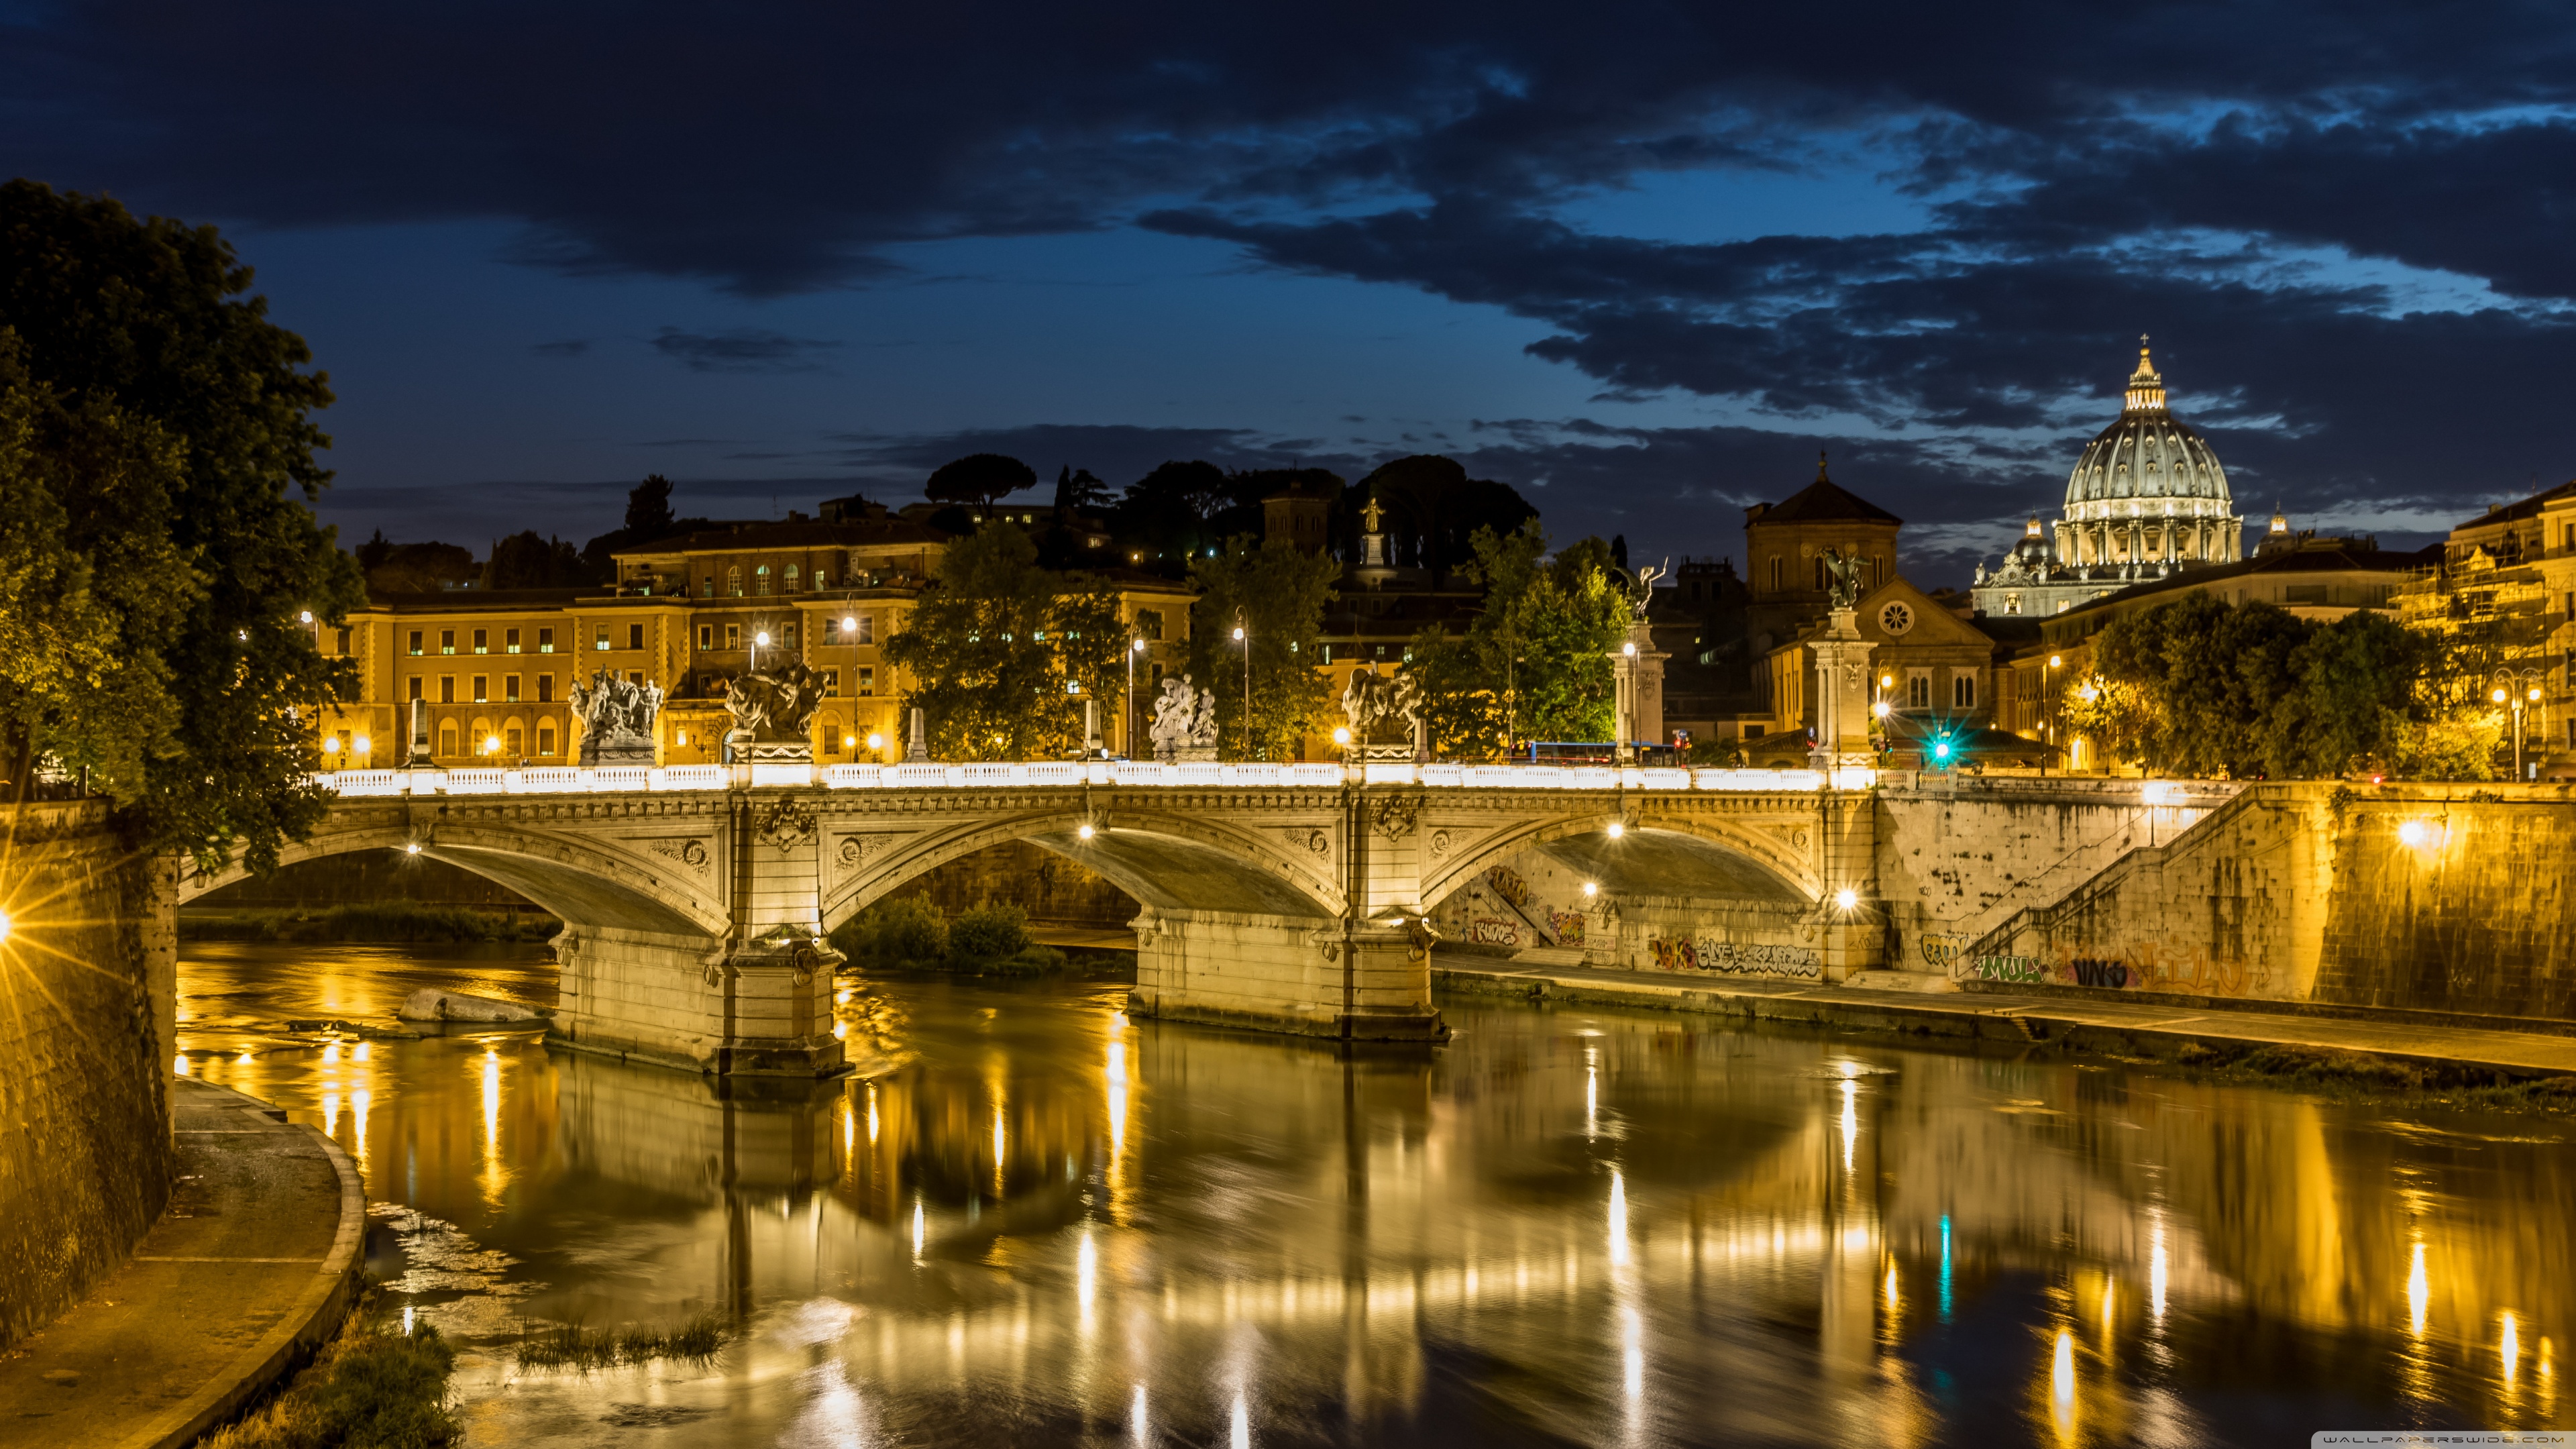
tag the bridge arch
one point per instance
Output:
(1166, 861)
(573, 876)
(1659, 852)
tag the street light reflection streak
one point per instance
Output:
(1851, 1119)
(2061, 1386)
(2419, 1293)
(1618, 1218)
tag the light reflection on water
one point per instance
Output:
(1037, 1222)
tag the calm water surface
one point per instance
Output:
(1032, 1221)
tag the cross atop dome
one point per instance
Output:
(2146, 386)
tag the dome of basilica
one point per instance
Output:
(2148, 489)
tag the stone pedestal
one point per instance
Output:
(1840, 710)
(1637, 671)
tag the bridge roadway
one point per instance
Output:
(696, 900)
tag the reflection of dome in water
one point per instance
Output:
(2148, 489)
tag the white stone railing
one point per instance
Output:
(629, 779)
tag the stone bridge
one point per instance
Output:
(1281, 897)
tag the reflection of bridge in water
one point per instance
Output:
(1196, 1211)
(1286, 897)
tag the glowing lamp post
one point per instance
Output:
(1247, 682)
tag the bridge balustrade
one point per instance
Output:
(622, 779)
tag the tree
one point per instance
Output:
(979, 478)
(420, 568)
(525, 561)
(1279, 593)
(993, 645)
(1535, 663)
(1078, 492)
(1439, 509)
(648, 509)
(92, 591)
(2355, 682)
(648, 520)
(148, 319)
(1168, 513)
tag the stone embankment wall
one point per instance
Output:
(1956, 860)
(2451, 898)
(87, 993)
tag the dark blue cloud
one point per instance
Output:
(743, 349)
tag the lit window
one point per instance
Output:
(510, 688)
(415, 643)
(545, 641)
(545, 739)
(482, 688)
(510, 642)
(482, 641)
(599, 642)
(446, 641)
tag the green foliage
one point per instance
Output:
(526, 561)
(1536, 663)
(571, 1345)
(988, 932)
(364, 1391)
(993, 645)
(148, 319)
(1279, 593)
(94, 593)
(900, 931)
(2202, 687)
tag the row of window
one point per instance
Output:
(481, 642)
(1918, 690)
(480, 685)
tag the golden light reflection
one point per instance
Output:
(330, 1053)
(1851, 1119)
(359, 1102)
(331, 1114)
(2510, 1348)
(180, 1066)
(1632, 1334)
(1618, 1218)
(916, 1229)
(366, 1051)
(1087, 1276)
(2156, 1270)
(1114, 1077)
(1136, 1417)
(493, 1174)
(1591, 1097)
(872, 1113)
(2061, 1386)
(1891, 1290)
(2419, 1292)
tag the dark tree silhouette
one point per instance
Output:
(979, 478)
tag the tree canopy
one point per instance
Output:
(1279, 593)
(979, 478)
(128, 323)
(2202, 687)
(995, 642)
(1535, 663)
(1438, 509)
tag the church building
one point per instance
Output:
(2147, 498)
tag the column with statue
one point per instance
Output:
(1637, 669)
(1842, 673)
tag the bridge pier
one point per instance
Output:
(761, 1010)
(1307, 975)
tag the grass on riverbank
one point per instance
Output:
(2357, 1075)
(570, 1345)
(370, 1389)
(364, 921)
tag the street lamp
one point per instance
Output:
(1247, 683)
(2048, 708)
(759, 641)
(1127, 706)
(2515, 691)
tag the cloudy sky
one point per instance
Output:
(1641, 261)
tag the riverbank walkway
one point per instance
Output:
(2133, 1025)
(248, 1269)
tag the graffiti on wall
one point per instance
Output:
(1941, 953)
(1568, 926)
(1493, 931)
(1742, 958)
(1508, 884)
(2191, 972)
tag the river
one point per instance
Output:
(1031, 1221)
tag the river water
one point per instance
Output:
(1031, 1221)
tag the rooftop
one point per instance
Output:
(1819, 502)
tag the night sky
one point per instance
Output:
(1639, 261)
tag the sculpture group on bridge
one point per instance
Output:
(772, 709)
(1370, 701)
(616, 716)
(1184, 725)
